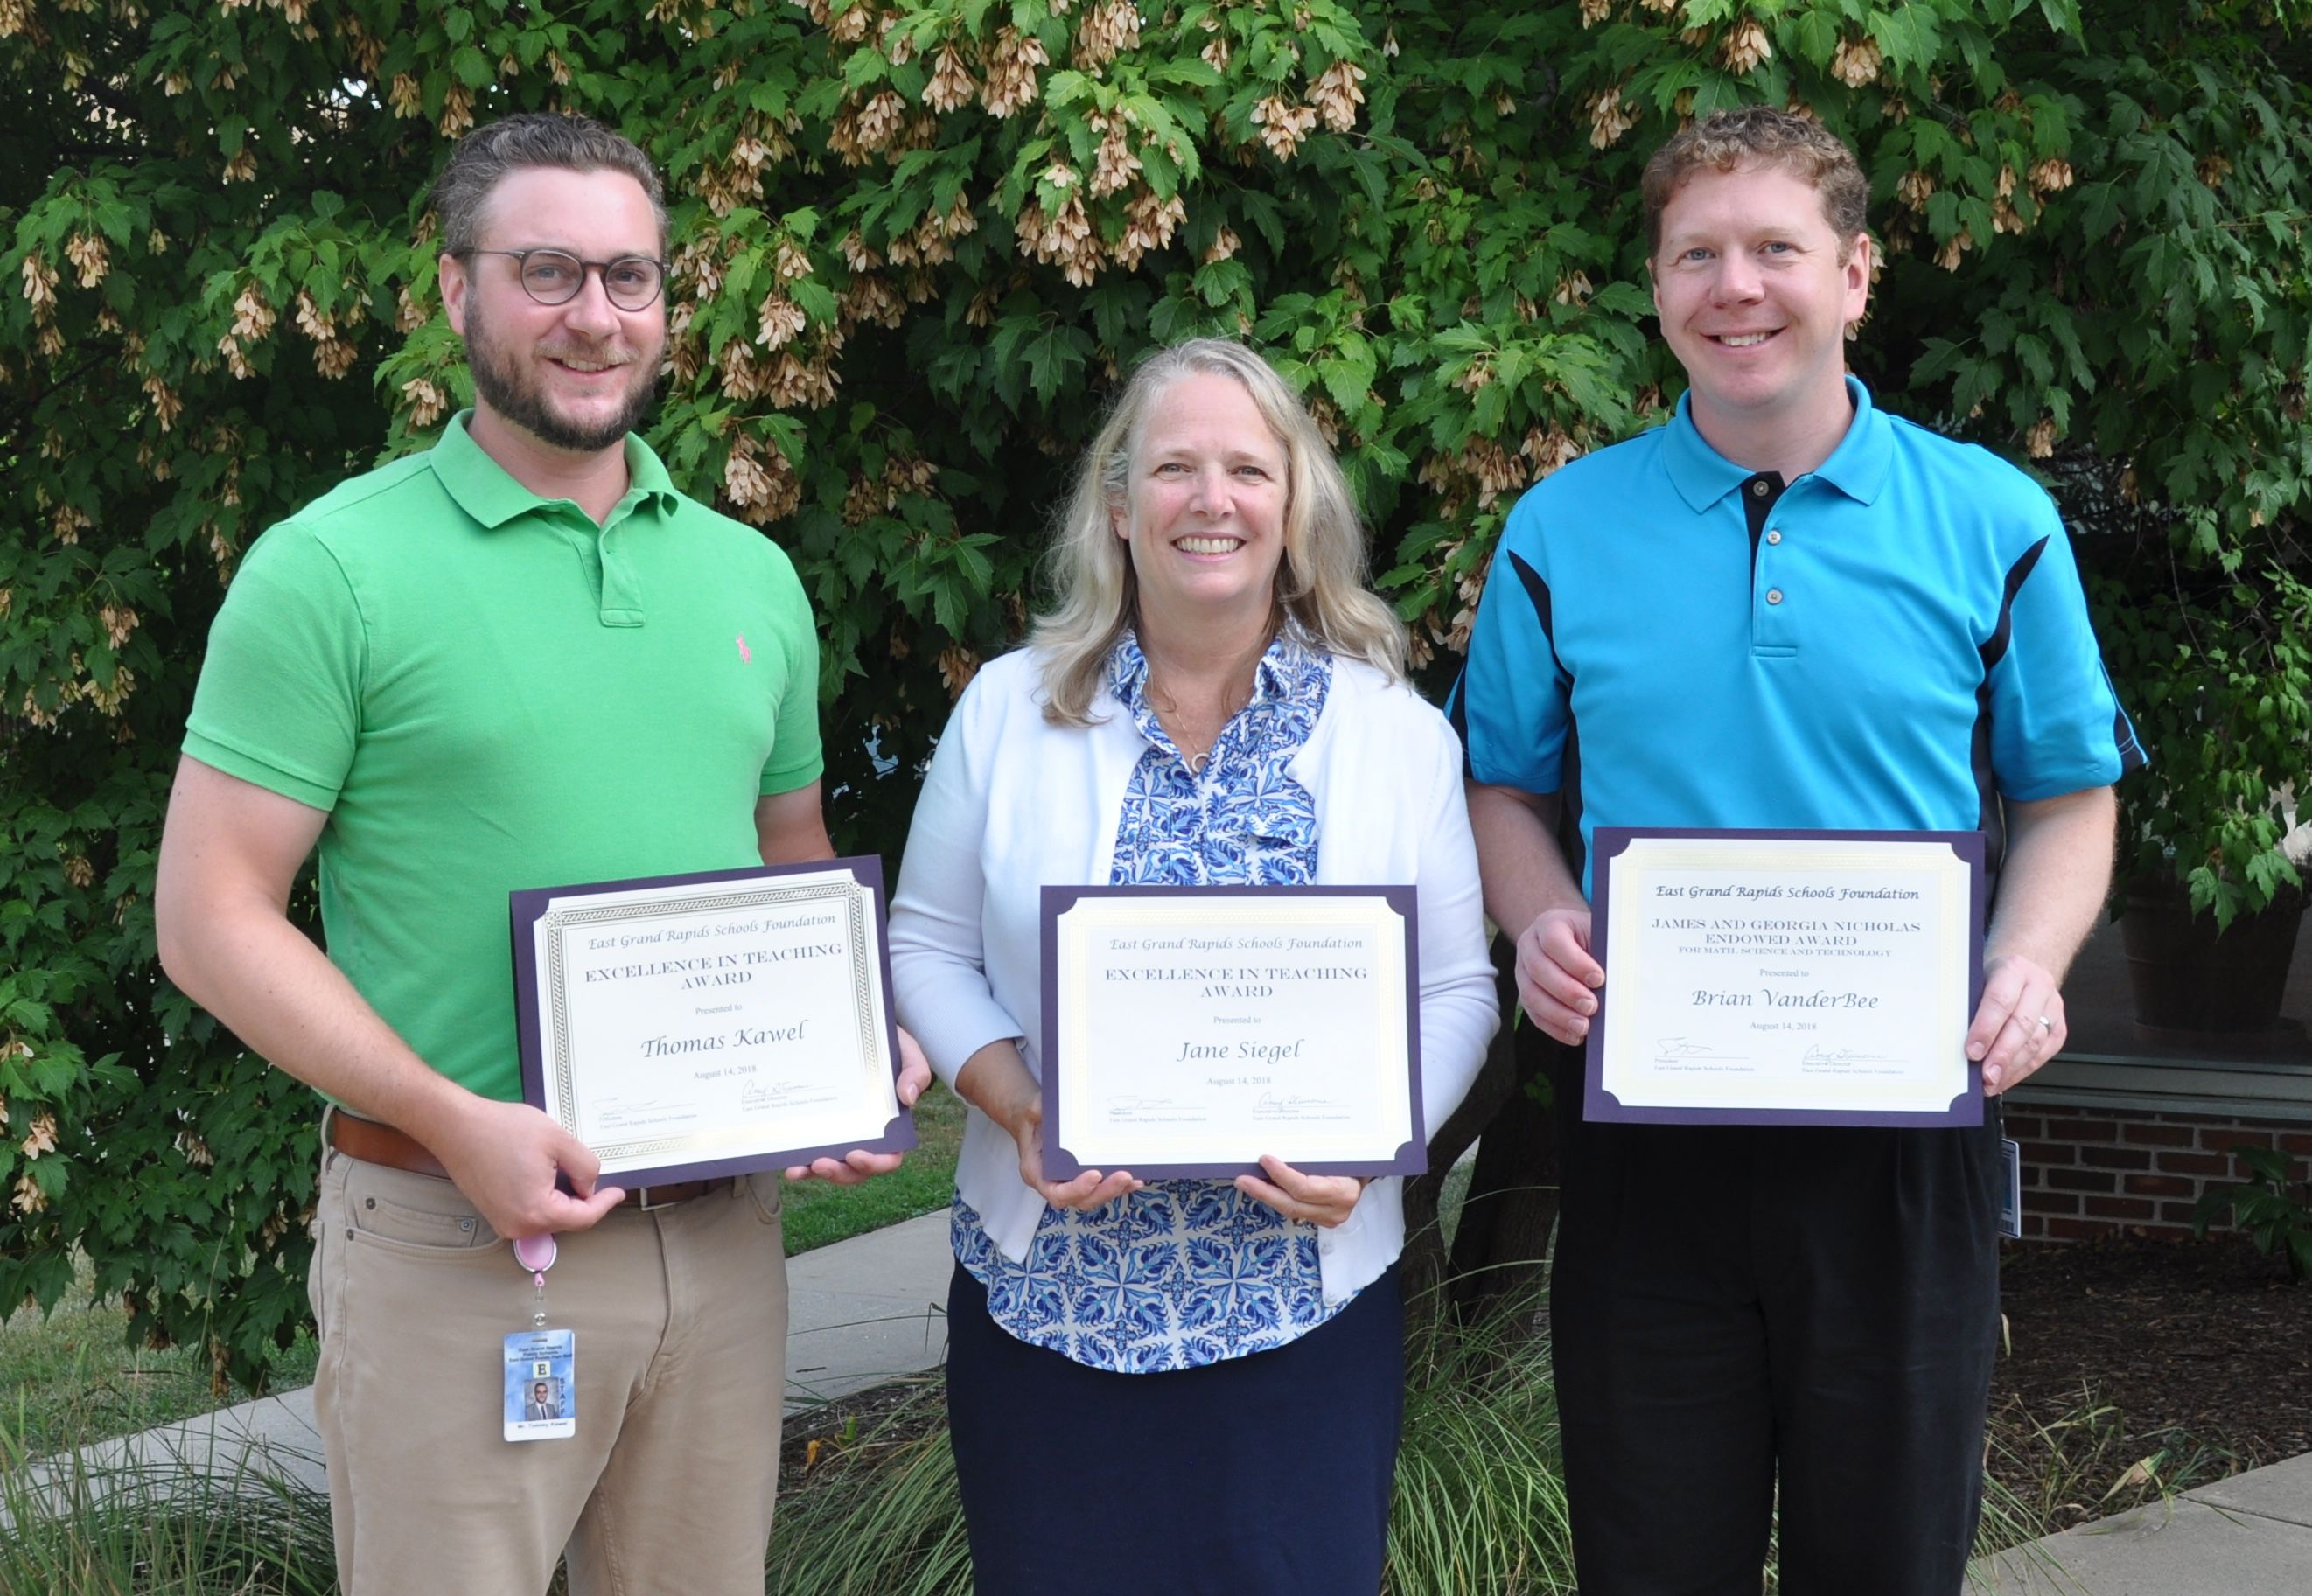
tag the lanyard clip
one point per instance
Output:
(536, 1253)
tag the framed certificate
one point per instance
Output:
(1783, 978)
(1189, 1030)
(684, 1026)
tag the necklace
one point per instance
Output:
(1194, 744)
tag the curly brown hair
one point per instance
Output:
(1761, 136)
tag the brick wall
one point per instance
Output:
(2090, 1172)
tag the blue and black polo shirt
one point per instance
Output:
(1895, 640)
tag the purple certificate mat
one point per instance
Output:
(1608, 842)
(1411, 1156)
(529, 905)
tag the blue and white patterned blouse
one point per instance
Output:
(1183, 1273)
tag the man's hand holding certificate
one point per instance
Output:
(1192, 1030)
(1754, 978)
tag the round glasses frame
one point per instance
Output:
(532, 265)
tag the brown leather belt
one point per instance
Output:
(373, 1141)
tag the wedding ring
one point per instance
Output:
(2046, 1023)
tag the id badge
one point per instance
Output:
(541, 1390)
(2010, 1189)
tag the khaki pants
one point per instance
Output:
(681, 1317)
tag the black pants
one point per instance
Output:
(1269, 1473)
(1738, 1309)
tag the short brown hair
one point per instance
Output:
(1761, 136)
(485, 156)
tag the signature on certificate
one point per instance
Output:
(1845, 1055)
(1270, 1102)
(624, 1114)
(1668, 1050)
(1122, 1106)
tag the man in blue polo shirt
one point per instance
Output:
(1783, 609)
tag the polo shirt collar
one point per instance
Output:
(1857, 468)
(486, 490)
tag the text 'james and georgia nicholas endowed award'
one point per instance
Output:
(1786, 978)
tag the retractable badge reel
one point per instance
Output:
(540, 1389)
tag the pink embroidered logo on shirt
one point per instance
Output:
(746, 654)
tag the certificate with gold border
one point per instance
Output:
(1785, 978)
(687, 1026)
(1188, 1031)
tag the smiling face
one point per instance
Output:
(575, 377)
(1203, 513)
(1756, 292)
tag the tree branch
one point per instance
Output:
(14, 420)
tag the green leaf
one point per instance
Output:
(1053, 359)
(473, 67)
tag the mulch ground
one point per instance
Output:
(885, 1414)
(2158, 1363)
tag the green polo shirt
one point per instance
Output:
(485, 691)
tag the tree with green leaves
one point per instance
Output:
(917, 241)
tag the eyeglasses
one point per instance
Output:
(553, 277)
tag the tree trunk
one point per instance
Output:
(1422, 1268)
(1503, 1241)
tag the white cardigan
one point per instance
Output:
(1014, 803)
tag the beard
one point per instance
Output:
(515, 393)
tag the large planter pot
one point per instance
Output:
(2197, 987)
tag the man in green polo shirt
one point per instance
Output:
(519, 660)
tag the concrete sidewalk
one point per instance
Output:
(2250, 1535)
(860, 1313)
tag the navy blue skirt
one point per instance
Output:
(1268, 1472)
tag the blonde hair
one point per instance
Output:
(1321, 581)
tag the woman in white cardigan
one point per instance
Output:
(1180, 1385)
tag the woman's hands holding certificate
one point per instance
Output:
(995, 1081)
(1322, 1200)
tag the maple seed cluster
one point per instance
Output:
(1856, 62)
(333, 353)
(952, 87)
(1012, 85)
(1282, 125)
(1335, 95)
(871, 496)
(1610, 118)
(88, 258)
(760, 485)
(40, 286)
(1746, 46)
(1112, 27)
